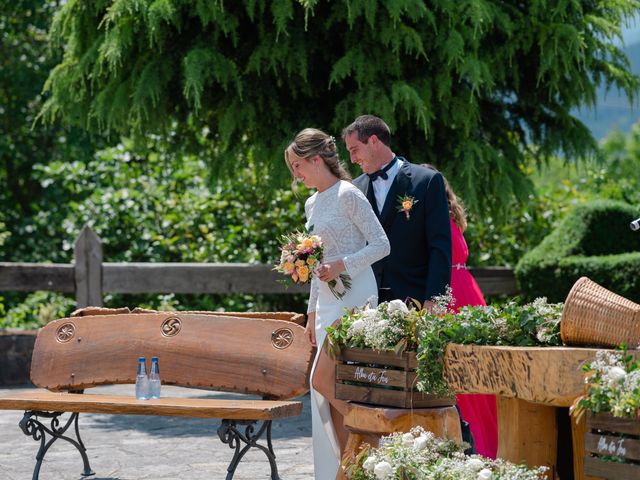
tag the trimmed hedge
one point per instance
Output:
(593, 240)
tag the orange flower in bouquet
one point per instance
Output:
(301, 255)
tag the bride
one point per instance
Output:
(353, 239)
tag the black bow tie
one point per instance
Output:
(382, 173)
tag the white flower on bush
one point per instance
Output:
(475, 464)
(632, 381)
(407, 439)
(397, 305)
(370, 314)
(420, 443)
(615, 375)
(370, 463)
(357, 327)
(485, 474)
(383, 470)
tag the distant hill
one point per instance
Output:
(613, 111)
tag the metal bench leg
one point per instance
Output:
(229, 433)
(32, 427)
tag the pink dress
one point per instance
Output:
(477, 409)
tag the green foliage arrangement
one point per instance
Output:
(418, 455)
(394, 326)
(613, 385)
(467, 85)
(593, 240)
(532, 324)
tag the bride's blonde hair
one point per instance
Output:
(456, 208)
(311, 142)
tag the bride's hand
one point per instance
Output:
(310, 329)
(331, 271)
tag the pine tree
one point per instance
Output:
(471, 86)
(25, 62)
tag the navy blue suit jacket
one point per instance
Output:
(419, 265)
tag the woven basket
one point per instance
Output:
(593, 315)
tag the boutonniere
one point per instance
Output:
(405, 204)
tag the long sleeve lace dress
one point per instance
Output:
(343, 218)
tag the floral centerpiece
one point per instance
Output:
(394, 326)
(613, 385)
(418, 454)
(301, 254)
(612, 408)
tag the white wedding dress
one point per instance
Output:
(343, 218)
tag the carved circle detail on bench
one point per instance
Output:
(282, 338)
(171, 327)
(65, 332)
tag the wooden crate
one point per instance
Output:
(607, 435)
(382, 378)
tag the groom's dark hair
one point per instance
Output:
(367, 125)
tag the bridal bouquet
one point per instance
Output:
(301, 255)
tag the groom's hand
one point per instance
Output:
(331, 271)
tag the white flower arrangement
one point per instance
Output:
(390, 326)
(418, 454)
(394, 326)
(613, 385)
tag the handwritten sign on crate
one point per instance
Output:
(382, 378)
(612, 447)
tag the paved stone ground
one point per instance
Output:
(136, 447)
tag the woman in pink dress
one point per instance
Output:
(477, 409)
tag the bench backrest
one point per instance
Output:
(289, 316)
(267, 357)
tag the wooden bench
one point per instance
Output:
(266, 357)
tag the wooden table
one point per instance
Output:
(530, 384)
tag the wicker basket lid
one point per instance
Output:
(593, 315)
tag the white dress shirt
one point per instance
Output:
(381, 186)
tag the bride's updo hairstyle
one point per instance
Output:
(311, 142)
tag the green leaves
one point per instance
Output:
(536, 323)
(462, 84)
(204, 67)
(38, 309)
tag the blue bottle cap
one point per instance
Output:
(141, 359)
(154, 359)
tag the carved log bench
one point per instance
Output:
(266, 357)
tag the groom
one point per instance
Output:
(411, 204)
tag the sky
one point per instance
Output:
(631, 32)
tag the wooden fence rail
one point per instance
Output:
(90, 278)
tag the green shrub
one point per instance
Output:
(3, 233)
(36, 310)
(593, 240)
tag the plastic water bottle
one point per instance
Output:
(142, 382)
(154, 379)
